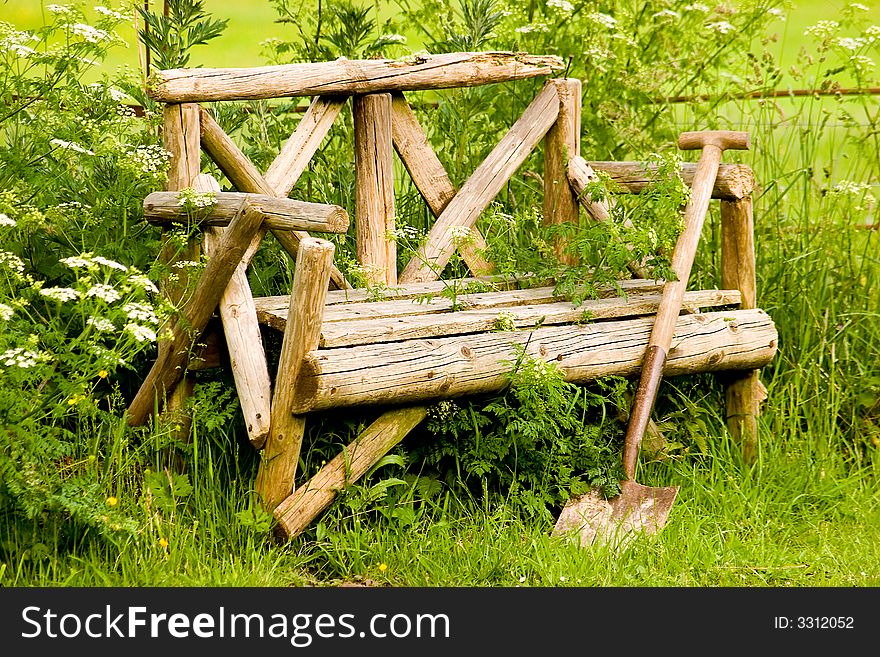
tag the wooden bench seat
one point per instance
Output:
(415, 347)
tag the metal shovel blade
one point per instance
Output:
(616, 521)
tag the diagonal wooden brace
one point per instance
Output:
(170, 364)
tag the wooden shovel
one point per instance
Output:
(645, 508)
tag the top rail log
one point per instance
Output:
(347, 77)
(734, 181)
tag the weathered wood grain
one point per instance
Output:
(374, 188)
(734, 181)
(417, 370)
(348, 77)
(279, 213)
(562, 142)
(278, 460)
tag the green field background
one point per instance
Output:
(253, 21)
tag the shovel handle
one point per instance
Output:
(713, 144)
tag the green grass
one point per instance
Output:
(795, 518)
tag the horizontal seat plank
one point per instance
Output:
(532, 315)
(436, 368)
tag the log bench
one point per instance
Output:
(344, 347)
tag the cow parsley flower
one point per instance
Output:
(101, 324)
(722, 27)
(104, 292)
(141, 333)
(6, 312)
(61, 294)
(23, 358)
(109, 263)
(562, 5)
(143, 282)
(89, 33)
(5, 220)
(11, 261)
(822, 29)
(140, 312)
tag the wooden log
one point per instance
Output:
(244, 343)
(279, 213)
(244, 175)
(348, 77)
(417, 370)
(168, 368)
(180, 135)
(418, 298)
(483, 185)
(280, 455)
(374, 188)
(434, 325)
(562, 142)
(734, 181)
(297, 152)
(296, 512)
(743, 390)
(430, 177)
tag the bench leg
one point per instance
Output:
(743, 390)
(280, 454)
(296, 512)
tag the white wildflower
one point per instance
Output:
(722, 27)
(872, 34)
(849, 43)
(776, 11)
(11, 261)
(191, 199)
(69, 145)
(460, 235)
(106, 355)
(109, 263)
(141, 333)
(667, 13)
(89, 33)
(75, 262)
(186, 264)
(603, 19)
(109, 13)
(58, 9)
(6, 312)
(143, 282)
(534, 27)
(149, 159)
(394, 38)
(862, 64)
(104, 292)
(857, 6)
(101, 325)
(697, 6)
(61, 294)
(822, 29)
(140, 312)
(23, 358)
(849, 187)
(5, 220)
(562, 5)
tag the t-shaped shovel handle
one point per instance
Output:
(713, 143)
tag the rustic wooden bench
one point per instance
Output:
(343, 347)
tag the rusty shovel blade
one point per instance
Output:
(615, 522)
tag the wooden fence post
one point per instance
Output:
(374, 188)
(562, 142)
(181, 139)
(743, 390)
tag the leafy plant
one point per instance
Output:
(170, 36)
